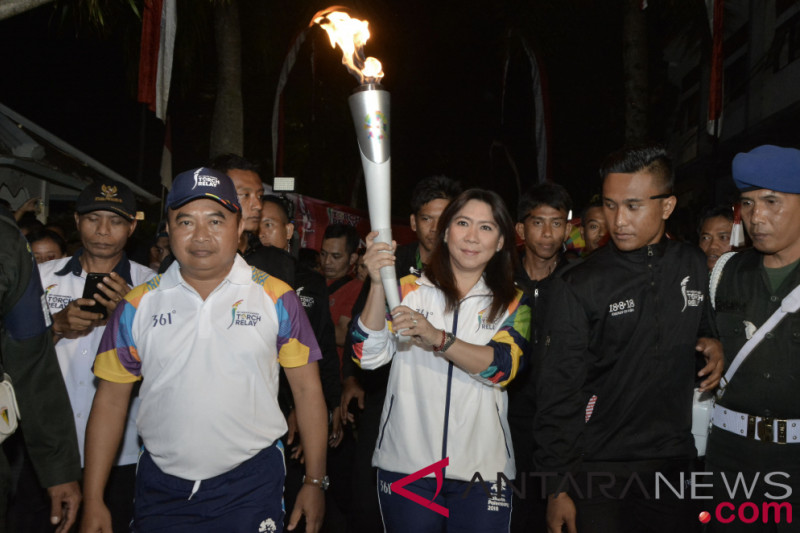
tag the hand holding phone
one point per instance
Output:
(112, 291)
(93, 279)
(73, 322)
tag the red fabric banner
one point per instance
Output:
(148, 54)
(312, 216)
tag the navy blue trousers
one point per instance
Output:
(249, 498)
(469, 507)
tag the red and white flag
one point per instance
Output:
(166, 158)
(737, 232)
(155, 59)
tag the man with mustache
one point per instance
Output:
(756, 422)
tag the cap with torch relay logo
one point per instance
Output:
(206, 183)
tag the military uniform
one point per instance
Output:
(764, 386)
(761, 404)
(28, 356)
(766, 383)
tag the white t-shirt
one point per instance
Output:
(209, 368)
(63, 281)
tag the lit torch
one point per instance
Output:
(369, 106)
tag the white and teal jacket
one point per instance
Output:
(434, 409)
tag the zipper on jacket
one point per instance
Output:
(388, 415)
(449, 390)
(535, 335)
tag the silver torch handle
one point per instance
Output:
(370, 106)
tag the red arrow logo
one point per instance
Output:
(438, 467)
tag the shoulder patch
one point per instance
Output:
(274, 287)
(135, 295)
(259, 276)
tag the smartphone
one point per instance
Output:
(89, 290)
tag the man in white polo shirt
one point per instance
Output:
(206, 339)
(105, 215)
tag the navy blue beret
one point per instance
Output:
(768, 167)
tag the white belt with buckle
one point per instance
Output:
(767, 429)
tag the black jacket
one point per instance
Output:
(28, 356)
(313, 293)
(407, 260)
(622, 329)
(522, 391)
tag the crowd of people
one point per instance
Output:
(238, 383)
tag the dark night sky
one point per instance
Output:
(443, 64)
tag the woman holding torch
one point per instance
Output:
(464, 335)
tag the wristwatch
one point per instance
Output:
(323, 483)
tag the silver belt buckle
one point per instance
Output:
(765, 429)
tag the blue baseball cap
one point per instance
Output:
(768, 167)
(203, 182)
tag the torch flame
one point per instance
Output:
(351, 35)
